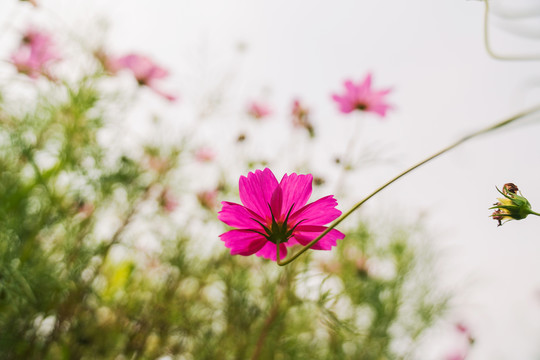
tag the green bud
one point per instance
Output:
(512, 206)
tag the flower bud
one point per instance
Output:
(512, 206)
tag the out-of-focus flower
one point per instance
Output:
(208, 199)
(145, 71)
(456, 355)
(512, 206)
(153, 161)
(35, 54)
(84, 209)
(465, 331)
(168, 200)
(300, 117)
(276, 213)
(258, 110)
(204, 154)
(462, 349)
(361, 97)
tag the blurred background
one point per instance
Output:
(223, 56)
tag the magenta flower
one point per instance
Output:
(362, 97)
(35, 54)
(145, 71)
(275, 212)
(258, 110)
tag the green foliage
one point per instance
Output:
(67, 206)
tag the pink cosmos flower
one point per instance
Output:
(275, 212)
(258, 110)
(362, 97)
(35, 54)
(145, 71)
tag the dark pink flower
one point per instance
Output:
(35, 54)
(258, 110)
(145, 71)
(362, 97)
(275, 212)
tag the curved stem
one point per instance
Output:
(428, 159)
(488, 45)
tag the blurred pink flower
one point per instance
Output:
(145, 71)
(204, 154)
(275, 213)
(168, 201)
(35, 53)
(208, 199)
(456, 356)
(465, 331)
(361, 97)
(258, 110)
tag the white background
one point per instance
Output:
(445, 85)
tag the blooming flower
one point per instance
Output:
(145, 71)
(276, 213)
(362, 97)
(258, 110)
(35, 53)
(511, 206)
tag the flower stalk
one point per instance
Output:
(457, 143)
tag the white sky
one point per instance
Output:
(431, 53)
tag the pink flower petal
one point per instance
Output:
(256, 191)
(319, 212)
(269, 251)
(296, 190)
(305, 234)
(238, 216)
(276, 202)
(362, 97)
(243, 242)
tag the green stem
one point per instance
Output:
(534, 213)
(428, 159)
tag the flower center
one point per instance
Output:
(361, 106)
(278, 232)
